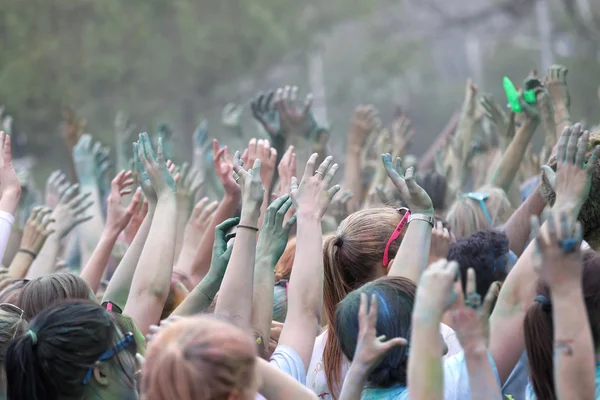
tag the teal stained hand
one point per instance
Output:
(274, 234)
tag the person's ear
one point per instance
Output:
(101, 373)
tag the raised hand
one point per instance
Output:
(70, 210)
(440, 242)
(286, 170)
(313, 194)
(224, 169)
(417, 199)
(402, 135)
(124, 134)
(10, 188)
(470, 318)
(221, 250)
(117, 216)
(155, 166)
(267, 155)
(55, 186)
(263, 110)
(436, 291)
(252, 189)
(231, 116)
(295, 120)
(274, 234)
(84, 159)
(165, 132)
(36, 230)
(339, 207)
(558, 259)
(136, 221)
(73, 127)
(364, 121)
(141, 176)
(370, 348)
(556, 82)
(188, 184)
(200, 219)
(572, 180)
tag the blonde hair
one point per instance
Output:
(199, 358)
(466, 216)
(351, 258)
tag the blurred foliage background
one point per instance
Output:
(179, 61)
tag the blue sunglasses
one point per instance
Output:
(481, 198)
(113, 351)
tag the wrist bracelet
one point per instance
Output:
(422, 217)
(565, 119)
(31, 253)
(248, 227)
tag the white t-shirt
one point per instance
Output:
(287, 360)
(317, 381)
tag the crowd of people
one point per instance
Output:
(467, 273)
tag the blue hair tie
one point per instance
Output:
(568, 245)
(33, 336)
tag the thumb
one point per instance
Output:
(395, 342)
(550, 176)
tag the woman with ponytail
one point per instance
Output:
(73, 350)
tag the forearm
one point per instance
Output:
(45, 262)
(425, 373)
(427, 161)
(9, 202)
(464, 131)
(201, 261)
(518, 227)
(574, 353)
(90, 232)
(183, 213)
(20, 265)
(200, 298)
(265, 203)
(152, 278)
(505, 174)
(413, 254)
(352, 176)
(7, 220)
(481, 376)
(94, 269)
(353, 384)
(262, 298)
(277, 385)
(562, 118)
(235, 296)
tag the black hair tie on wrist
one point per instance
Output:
(31, 253)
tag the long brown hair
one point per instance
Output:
(199, 358)
(539, 331)
(39, 293)
(351, 258)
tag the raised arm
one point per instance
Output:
(435, 294)
(561, 268)
(571, 183)
(117, 218)
(204, 293)
(277, 385)
(235, 297)
(364, 121)
(34, 236)
(272, 239)
(152, 278)
(187, 186)
(470, 320)
(505, 173)
(413, 254)
(68, 213)
(305, 294)
(85, 165)
(10, 192)
(556, 82)
(226, 209)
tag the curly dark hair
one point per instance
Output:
(485, 252)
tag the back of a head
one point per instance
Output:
(199, 358)
(487, 253)
(351, 258)
(466, 215)
(396, 297)
(436, 186)
(538, 327)
(13, 325)
(590, 212)
(51, 359)
(44, 291)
